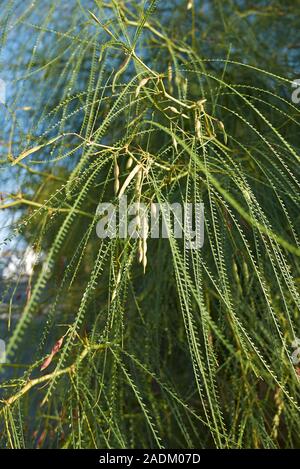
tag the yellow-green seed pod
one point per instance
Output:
(246, 271)
(129, 162)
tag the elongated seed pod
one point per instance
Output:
(138, 181)
(144, 263)
(116, 186)
(144, 225)
(235, 272)
(246, 271)
(116, 174)
(221, 126)
(141, 84)
(144, 253)
(144, 235)
(129, 162)
(140, 250)
(128, 180)
(174, 143)
(198, 128)
(140, 216)
(170, 73)
(116, 170)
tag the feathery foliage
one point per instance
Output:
(180, 101)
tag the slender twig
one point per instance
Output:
(39, 205)
(55, 374)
